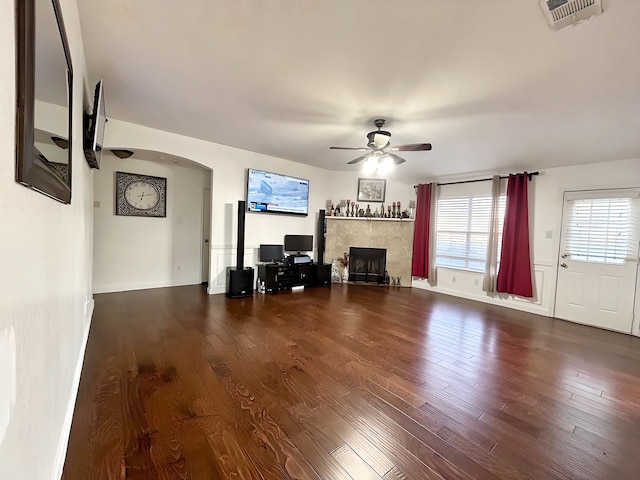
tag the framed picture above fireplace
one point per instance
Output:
(371, 189)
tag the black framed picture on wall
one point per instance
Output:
(371, 189)
(141, 195)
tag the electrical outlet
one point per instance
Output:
(476, 281)
(453, 279)
(548, 234)
(96, 204)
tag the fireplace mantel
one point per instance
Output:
(372, 219)
(394, 234)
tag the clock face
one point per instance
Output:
(141, 195)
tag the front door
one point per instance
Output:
(598, 258)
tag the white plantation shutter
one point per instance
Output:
(463, 230)
(603, 229)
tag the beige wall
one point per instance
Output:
(45, 284)
(132, 253)
(546, 200)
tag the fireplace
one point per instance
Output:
(367, 264)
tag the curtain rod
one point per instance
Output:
(530, 175)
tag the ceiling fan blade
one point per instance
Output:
(359, 159)
(396, 159)
(361, 149)
(412, 147)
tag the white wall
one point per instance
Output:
(546, 200)
(45, 304)
(133, 253)
(229, 184)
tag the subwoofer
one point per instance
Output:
(240, 279)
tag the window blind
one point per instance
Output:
(462, 231)
(603, 230)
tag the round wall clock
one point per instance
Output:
(141, 195)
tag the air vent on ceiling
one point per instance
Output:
(562, 13)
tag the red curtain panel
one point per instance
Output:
(420, 260)
(514, 275)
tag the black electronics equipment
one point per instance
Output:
(319, 275)
(271, 253)
(240, 279)
(94, 124)
(269, 192)
(298, 243)
(298, 259)
(320, 238)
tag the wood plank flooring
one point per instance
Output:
(349, 382)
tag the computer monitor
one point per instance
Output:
(271, 253)
(298, 243)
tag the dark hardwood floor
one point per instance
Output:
(349, 382)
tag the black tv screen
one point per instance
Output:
(271, 253)
(298, 243)
(94, 128)
(269, 192)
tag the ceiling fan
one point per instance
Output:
(378, 150)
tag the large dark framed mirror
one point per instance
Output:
(44, 83)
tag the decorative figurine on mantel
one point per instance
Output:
(382, 211)
(367, 213)
(412, 206)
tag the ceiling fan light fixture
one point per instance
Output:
(370, 165)
(385, 165)
(380, 164)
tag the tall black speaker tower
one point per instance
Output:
(320, 238)
(240, 279)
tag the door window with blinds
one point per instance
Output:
(462, 229)
(602, 228)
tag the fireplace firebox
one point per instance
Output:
(367, 264)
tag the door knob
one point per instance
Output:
(564, 255)
(564, 265)
(206, 240)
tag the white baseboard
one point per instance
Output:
(140, 286)
(66, 426)
(516, 305)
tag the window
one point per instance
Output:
(601, 230)
(463, 229)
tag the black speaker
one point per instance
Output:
(240, 251)
(320, 238)
(239, 282)
(240, 279)
(319, 275)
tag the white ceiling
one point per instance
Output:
(488, 83)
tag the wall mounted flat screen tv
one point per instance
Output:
(298, 243)
(94, 128)
(269, 192)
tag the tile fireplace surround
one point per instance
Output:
(394, 235)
